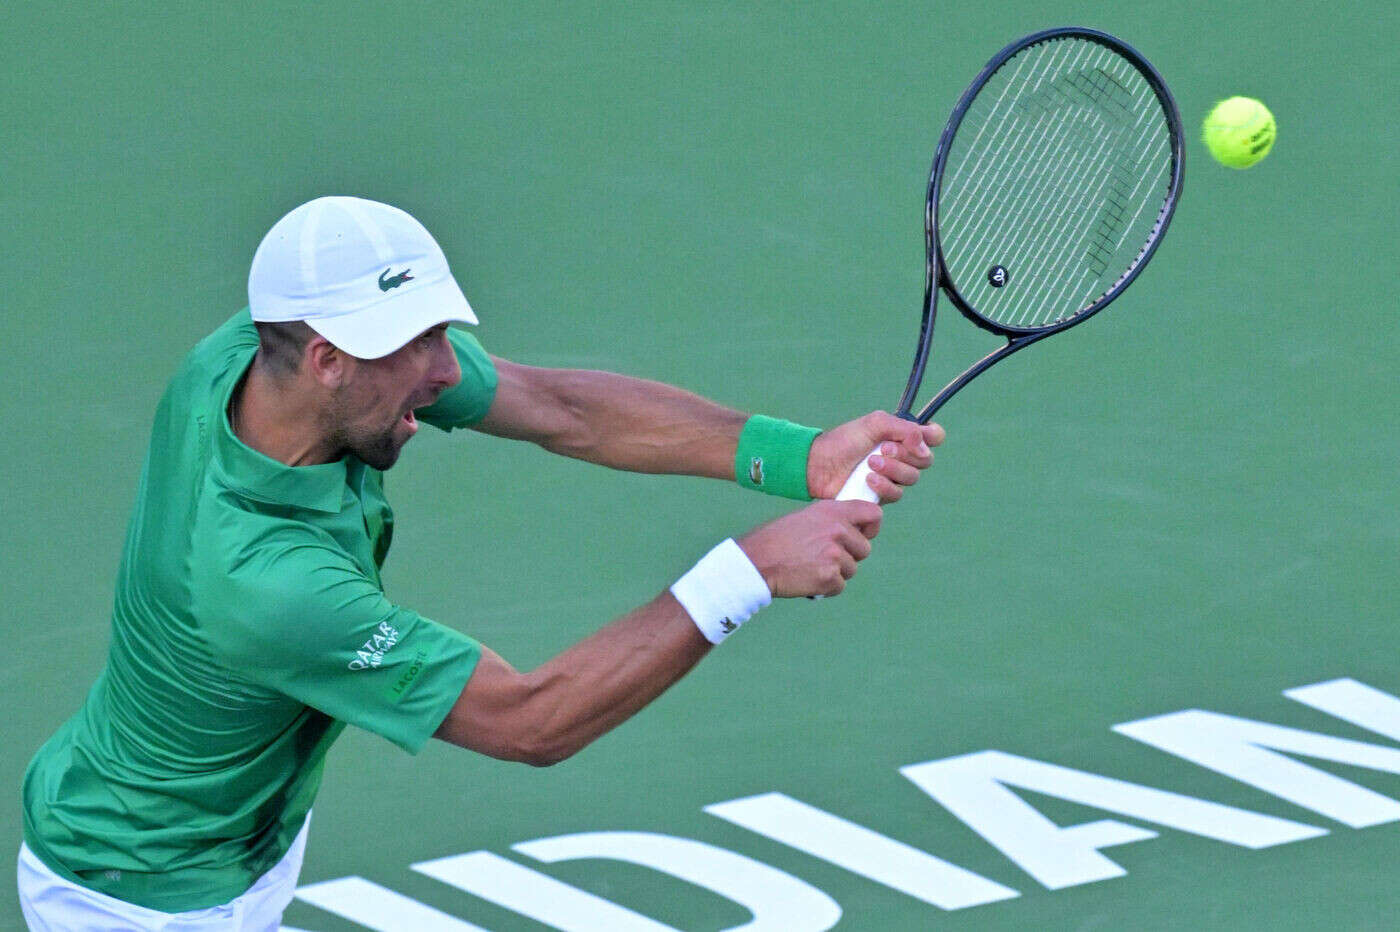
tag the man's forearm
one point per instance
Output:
(604, 680)
(646, 426)
(616, 420)
(550, 713)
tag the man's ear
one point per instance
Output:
(325, 363)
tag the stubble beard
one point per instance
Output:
(377, 448)
(378, 451)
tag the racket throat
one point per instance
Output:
(927, 412)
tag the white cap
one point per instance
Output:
(364, 275)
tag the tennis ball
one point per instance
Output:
(1239, 131)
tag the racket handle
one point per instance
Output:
(855, 487)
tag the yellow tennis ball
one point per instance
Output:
(1239, 131)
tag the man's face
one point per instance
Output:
(373, 409)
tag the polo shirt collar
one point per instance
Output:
(260, 477)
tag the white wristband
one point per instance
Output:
(722, 591)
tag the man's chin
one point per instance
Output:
(383, 454)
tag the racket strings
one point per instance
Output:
(1050, 179)
(1056, 140)
(1041, 242)
(1084, 233)
(979, 171)
(1069, 160)
(1062, 159)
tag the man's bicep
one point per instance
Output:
(526, 405)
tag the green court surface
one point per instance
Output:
(1189, 503)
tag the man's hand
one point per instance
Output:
(815, 550)
(904, 452)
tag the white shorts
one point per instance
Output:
(54, 904)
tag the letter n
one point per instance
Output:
(1246, 750)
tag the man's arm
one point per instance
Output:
(614, 420)
(548, 714)
(644, 426)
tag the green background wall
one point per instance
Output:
(1192, 502)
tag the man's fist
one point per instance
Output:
(904, 450)
(815, 550)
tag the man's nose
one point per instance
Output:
(445, 372)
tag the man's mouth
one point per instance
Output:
(410, 420)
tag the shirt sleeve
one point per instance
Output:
(467, 402)
(316, 629)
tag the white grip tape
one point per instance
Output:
(722, 591)
(855, 487)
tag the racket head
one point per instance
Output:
(1058, 173)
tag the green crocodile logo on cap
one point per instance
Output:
(394, 281)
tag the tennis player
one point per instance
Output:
(250, 625)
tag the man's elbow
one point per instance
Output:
(575, 439)
(543, 748)
(545, 756)
(520, 743)
(524, 749)
(513, 717)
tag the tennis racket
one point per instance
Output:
(1052, 186)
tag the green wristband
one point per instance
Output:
(772, 457)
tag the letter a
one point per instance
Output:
(971, 787)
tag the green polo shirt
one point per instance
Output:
(249, 627)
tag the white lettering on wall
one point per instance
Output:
(1354, 702)
(1245, 750)
(536, 895)
(779, 901)
(861, 851)
(378, 908)
(975, 788)
(972, 788)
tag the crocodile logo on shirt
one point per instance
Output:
(393, 281)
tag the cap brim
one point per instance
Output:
(381, 328)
